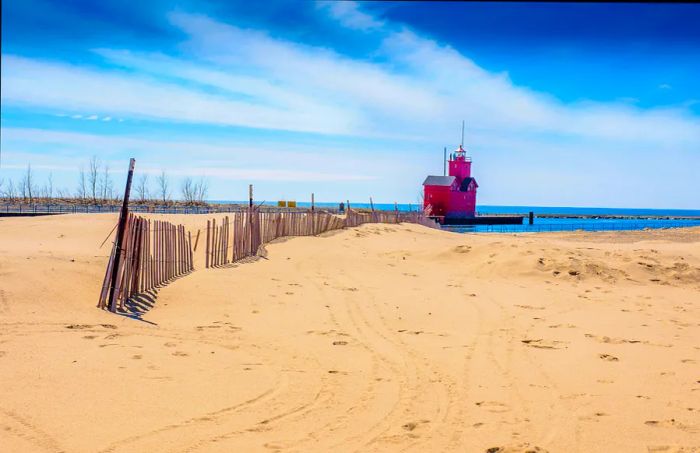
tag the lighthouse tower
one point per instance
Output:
(452, 196)
(460, 165)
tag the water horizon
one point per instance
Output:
(502, 209)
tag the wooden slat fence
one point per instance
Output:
(153, 253)
(240, 234)
(355, 218)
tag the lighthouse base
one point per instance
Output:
(479, 220)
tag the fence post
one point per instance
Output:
(120, 235)
(196, 241)
(206, 252)
(313, 217)
(250, 217)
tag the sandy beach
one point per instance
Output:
(377, 338)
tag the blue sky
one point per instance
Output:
(565, 104)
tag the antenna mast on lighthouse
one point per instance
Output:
(461, 144)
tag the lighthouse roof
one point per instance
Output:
(466, 182)
(439, 181)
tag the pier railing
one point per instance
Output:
(44, 208)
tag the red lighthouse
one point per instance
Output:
(452, 196)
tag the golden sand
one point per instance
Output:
(379, 338)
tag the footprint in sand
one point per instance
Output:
(493, 406)
(410, 426)
(610, 340)
(544, 344)
(517, 448)
(557, 326)
(201, 328)
(180, 354)
(670, 449)
(529, 307)
(137, 357)
(673, 423)
(608, 357)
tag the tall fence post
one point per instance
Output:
(313, 216)
(206, 252)
(120, 235)
(250, 217)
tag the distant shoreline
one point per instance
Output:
(68, 205)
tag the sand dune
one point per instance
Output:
(379, 338)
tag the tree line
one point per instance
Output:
(95, 185)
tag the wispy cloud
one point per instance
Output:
(410, 88)
(350, 15)
(216, 158)
(263, 82)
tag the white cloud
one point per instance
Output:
(420, 90)
(55, 85)
(665, 86)
(349, 15)
(216, 158)
(411, 89)
(92, 117)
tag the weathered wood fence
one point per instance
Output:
(240, 234)
(147, 254)
(153, 253)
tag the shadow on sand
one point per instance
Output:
(140, 304)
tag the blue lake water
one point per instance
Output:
(551, 224)
(487, 209)
(567, 224)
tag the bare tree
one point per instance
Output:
(93, 177)
(9, 191)
(106, 184)
(82, 184)
(142, 188)
(201, 189)
(194, 191)
(188, 190)
(49, 186)
(163, 187)
(27, 184)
